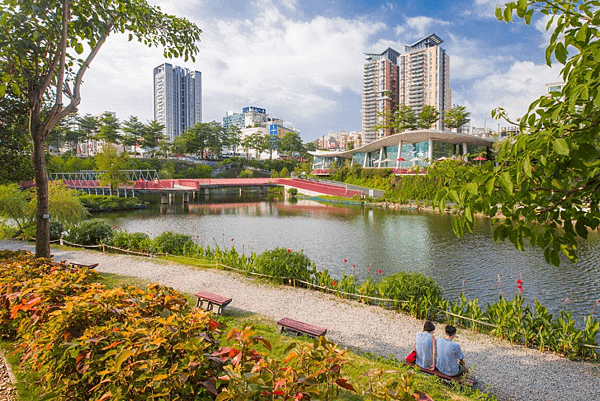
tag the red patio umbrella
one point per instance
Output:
(401, 159)
(480, 158)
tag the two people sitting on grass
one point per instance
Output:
(442, 354)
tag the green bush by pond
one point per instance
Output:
(107, 203)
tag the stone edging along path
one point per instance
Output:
(510, 372)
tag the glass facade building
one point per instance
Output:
(177, 99)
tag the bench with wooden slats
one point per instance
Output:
(211, 300)
(301, 328)
(78, 265)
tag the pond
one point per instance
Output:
(377, 242)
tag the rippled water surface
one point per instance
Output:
(376, 239)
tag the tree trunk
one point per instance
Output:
(42, 216)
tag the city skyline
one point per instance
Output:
(304, 61)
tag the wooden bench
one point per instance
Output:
(77, 265)
(300, 328)
(212, 300)
(465, 379)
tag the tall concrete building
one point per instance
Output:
(177, 98)
(425, 76)
(420, 76)
(380, 92)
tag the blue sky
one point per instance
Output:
(303, 60)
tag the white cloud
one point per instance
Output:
(468, 60)
(541, 25)
(419, 27)
(513, 89)
(294, 69)
(485, 8)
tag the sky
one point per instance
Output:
(303, 60)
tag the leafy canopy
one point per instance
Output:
(545, 186)
(46, 48)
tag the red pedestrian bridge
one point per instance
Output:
(169, 188)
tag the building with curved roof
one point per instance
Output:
(406, 150)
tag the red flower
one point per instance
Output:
(232, 239)
(379, 271)
(289, 250)
(115, 226)
(333, 283)
(345, 260)
(197, 236)
(353, 266)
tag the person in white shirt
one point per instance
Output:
(425, 346)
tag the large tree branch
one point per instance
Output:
(62, 52)
(76, 99)
(59, 55)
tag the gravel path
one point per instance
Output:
(508, 371)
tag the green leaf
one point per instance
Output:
(498, 13)
(587, 152)
(581, 230)
(506, 182)
(554, 257)
(15, 88)
(457, 227)
(472, 188)
(527, 167)
(489, 185)
(121, 358)
(561, 53)
(528, 16)
(561, 146)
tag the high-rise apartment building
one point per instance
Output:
(425, 77)
(380, 92)
(418, 77)
(177, 98)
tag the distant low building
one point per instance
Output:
(554, 87)
(342, 140)
(256, 120)
(511, 130)
(484, 132)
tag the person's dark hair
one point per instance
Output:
(428, 326)
(450, 330)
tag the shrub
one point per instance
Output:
(129, 343)
(422, 292)
(246, 173)
(56, 230)
(132, 241)
(292, 191)
(285, 263)
(173, 243)
(91, 232)
(306, 371)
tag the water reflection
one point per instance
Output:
(376, 239)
